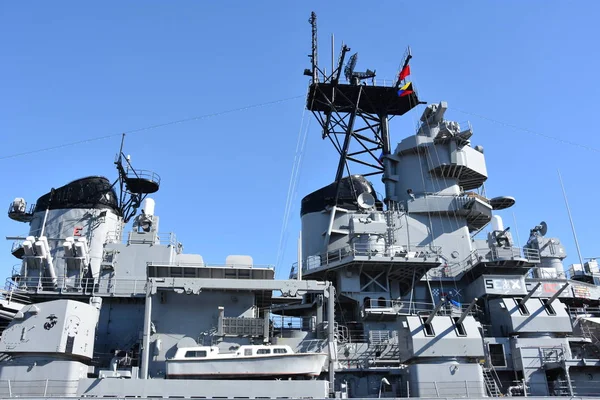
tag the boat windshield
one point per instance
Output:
(195, 353)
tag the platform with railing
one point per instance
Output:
(164, 239)
(38, 388)
(490, 257)
(385, 307)
(104, 285)
(428, 256)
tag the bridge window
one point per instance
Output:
(263, 351)
(195, 353)
(279, 351)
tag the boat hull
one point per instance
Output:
(284, 365)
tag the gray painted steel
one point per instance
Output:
(405, 301)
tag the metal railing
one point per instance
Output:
(502, 253)
(407, 307)
(25, 210)
(11, 295)
(142, 174)
(164, 239)
(203, 264)
(585, 311)
(374, 251)
(103, 285)
(485, 255)
(38, 388)
(464, 388)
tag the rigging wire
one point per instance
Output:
(150, 127)
(515, 127)
(292, 186)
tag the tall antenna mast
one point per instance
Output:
(314, 58)
(570, 218)
(354, 116)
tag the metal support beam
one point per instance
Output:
(267, 332)
(220, 330)
(146, 333)
(435, 310)
(331, 338)
(299, 271)
(319, 316)
(558, 292)
(466, 312)
(342, 163)
(531, 292)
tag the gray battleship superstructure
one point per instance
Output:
(391, 297)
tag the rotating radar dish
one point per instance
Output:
(543, 228)
(366, 201)
(502, 202)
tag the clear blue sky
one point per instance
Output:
(77, 70)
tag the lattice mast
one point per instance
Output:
(133, 184)
(354, 114)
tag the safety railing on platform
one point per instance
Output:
(104, 285)
(164, 239)
(10, 295)
(406, 307)
(203, 264)
(449, 389)
(583, 311)
(485, 255)
(374, 251)
(38, 388)
(24, 209)
(502, 253)
(583, 387)
(143, 174)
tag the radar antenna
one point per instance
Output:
(357, 112)
(134, 184)
(356, 77)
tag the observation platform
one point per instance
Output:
(406, 265)
(380, 100)
(142, 181)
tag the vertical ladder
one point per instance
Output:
(490, 383)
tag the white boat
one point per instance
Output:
(246, 361)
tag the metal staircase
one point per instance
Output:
(491, 385)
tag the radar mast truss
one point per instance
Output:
(354, 115)
(134, 185)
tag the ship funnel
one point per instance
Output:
(497, 224)
(148, 206)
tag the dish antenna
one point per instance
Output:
(543, 228)
(366, 201)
